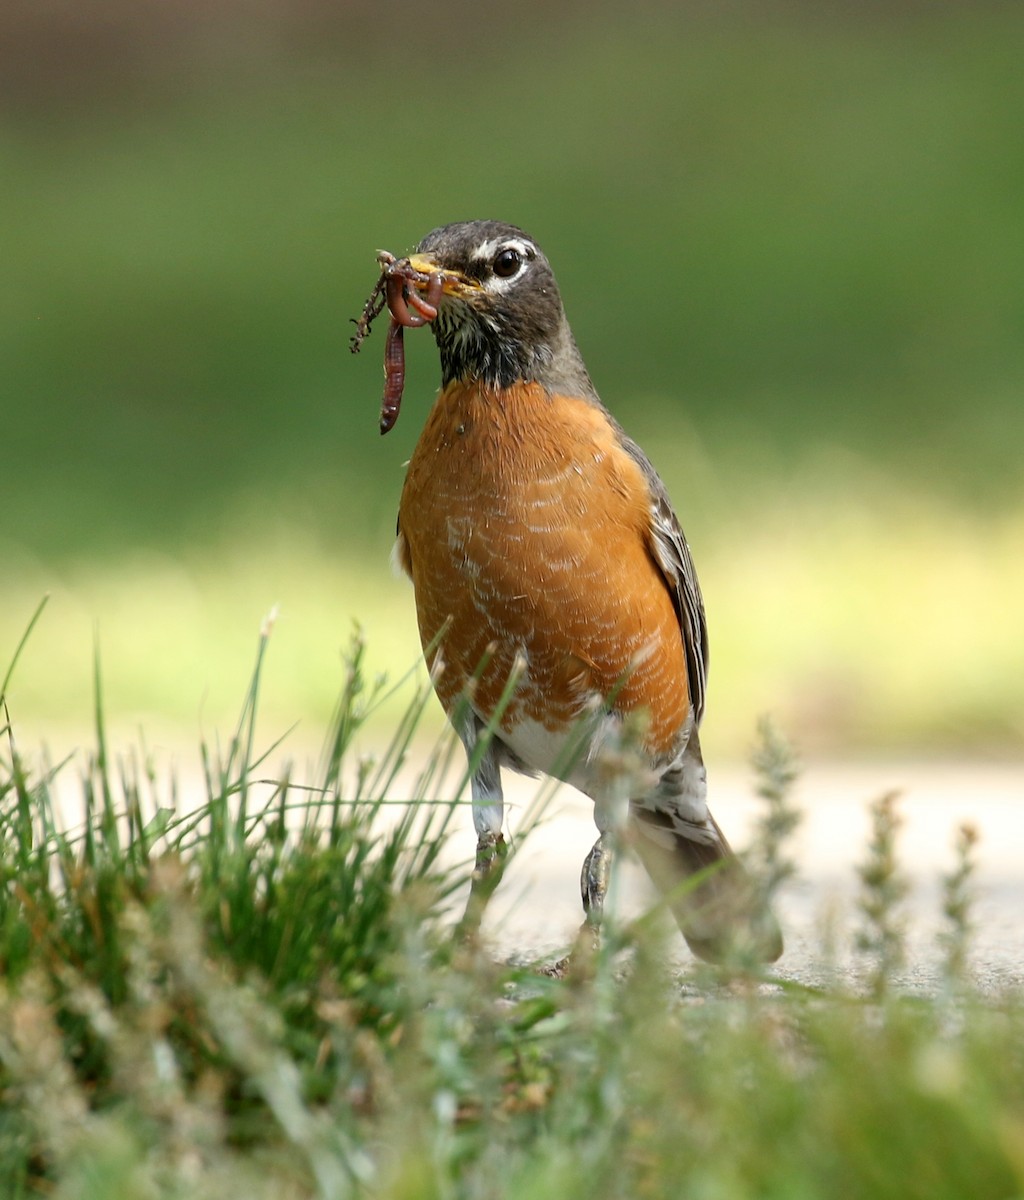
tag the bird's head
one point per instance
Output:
(500, 318)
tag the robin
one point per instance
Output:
(555, 592)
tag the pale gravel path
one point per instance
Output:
(536, 911)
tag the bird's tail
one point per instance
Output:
(721, 914)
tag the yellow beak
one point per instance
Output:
(454, 282)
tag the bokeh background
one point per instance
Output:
(790, 238)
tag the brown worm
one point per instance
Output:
(426, 305)
(374, 305)
(397, 289)
(394, 375)
(400, 295)
(372, 309)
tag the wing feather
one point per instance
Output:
(671, 552)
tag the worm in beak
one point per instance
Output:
(399, 289)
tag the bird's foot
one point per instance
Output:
(579, 962)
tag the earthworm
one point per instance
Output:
(372, 309)
(394, 375)
(426, 305)
(397, 288)
(400, 295)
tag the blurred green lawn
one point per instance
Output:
(791, 243)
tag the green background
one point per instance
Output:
(790, 239)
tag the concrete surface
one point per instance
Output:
(537, 909)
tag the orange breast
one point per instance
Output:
(525, 525)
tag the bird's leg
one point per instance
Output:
(491, 854)
(594, 881)
(594, 878)
(491, 847)
(610, 808)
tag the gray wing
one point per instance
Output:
(672, 554)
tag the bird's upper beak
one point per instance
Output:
(454, 283)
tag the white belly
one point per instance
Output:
(591, 756)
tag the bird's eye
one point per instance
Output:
(507, 263)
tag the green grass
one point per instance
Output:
(255, 992)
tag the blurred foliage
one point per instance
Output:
(262, 996)
(774, 229)
(789, 238)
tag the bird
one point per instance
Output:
(556, 596)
